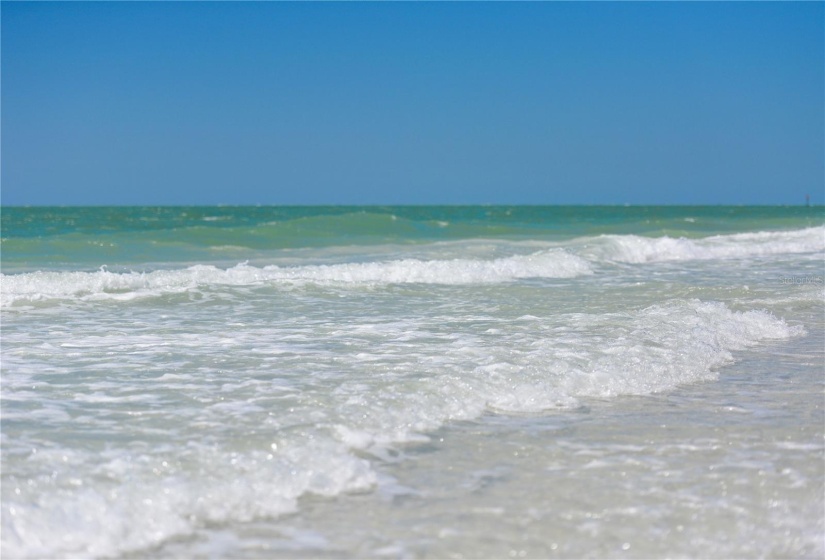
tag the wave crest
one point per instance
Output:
(636, 249)
(103, 284)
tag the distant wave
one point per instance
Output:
(637, 249)
(567, 260)
(102, 284)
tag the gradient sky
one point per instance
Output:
(412, 103)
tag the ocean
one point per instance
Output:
(413, 382)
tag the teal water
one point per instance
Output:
(412, 382)
(69, 237)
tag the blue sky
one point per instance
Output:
(412, 103)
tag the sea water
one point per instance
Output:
(413, 382)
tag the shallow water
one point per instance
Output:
(611, 392)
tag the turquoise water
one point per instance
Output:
(413, 382)
(68, 237)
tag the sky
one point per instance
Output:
(145, 103)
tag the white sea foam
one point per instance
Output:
(151, 424)
(655, 349)
(103, 284)
(543, 264)
(244, 442)
(575, 259)
(637, 249)
(141, 500)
